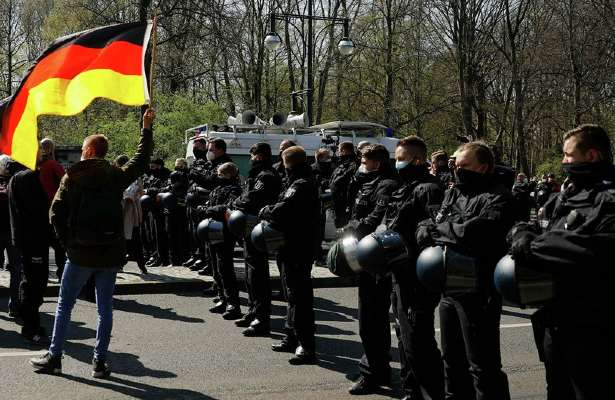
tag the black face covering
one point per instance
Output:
(582, 173)
(200, 154)
(411, 172)
(467, 179)
(347, 157)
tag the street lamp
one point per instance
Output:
(273, 42)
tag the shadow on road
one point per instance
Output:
(139, 390)
(133, 306)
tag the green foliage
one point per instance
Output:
(551, 165)
(174, 114)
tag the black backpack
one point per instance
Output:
(97, 219)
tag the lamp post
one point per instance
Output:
(274, 42)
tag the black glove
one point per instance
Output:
(521, 240)
(424, 236)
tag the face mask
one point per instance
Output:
(362, 169)
(399, 165)
(584, 172)
(346, 157)
(410, 171)
(210, 156)
(469, 179)
(199, 154)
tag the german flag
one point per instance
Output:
(105, 62)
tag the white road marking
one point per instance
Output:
(503, 326)
(23, 353)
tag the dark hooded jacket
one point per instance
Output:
(29, 208)
(97, 175)
(340, 185)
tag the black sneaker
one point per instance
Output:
(47, 364)
(100, 369)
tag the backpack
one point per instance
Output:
(97, 219)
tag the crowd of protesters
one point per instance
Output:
(470, 202)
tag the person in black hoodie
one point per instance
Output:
(418, 198)
(221, 254)
(296, 214)
(574, 332)
(30, 233)
(262, 188)
(474, 219)
(372, 187)
(340, 183)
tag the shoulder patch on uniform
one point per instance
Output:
(259, 185)
(289, 192)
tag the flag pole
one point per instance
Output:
(153, 62)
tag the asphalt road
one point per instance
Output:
(169, 347)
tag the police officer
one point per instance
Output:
(439, 167)
(322, 169)
(574, 331)
(176, 221)
(373, 185)
(154, 184)
(340, 182)
(475, 217)
(220, 198)
(262, 188)
(521, 193)
(418, 198)
(296, 214)
(203, 179)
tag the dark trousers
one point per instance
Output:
(577, 361)
(135, 248)
(421, 372)
(35, 264)
(297, 281)
(470, 330)
(257, 281)
(148, 235)
(374, 327)
(177, 232)
(162, 240)
(224, 271)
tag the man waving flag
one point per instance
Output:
(103, 62)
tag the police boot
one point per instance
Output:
(257, 328)
(198, 265)
(287, 345)
(232, 312)
(303, 357)
(245, 321)
(190, 261)
(218, 308)
(364, 386)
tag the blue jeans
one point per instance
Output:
(73, 280)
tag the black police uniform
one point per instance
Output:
(543, 193)
(521, 194)
(222, 253)
(30, 233)
(340, 185)
(202, 179)
(262, 188)
(296, 214)
(419, 198)
(322, 173)
(444, 175)
(372, 191)
(176, 221)
(474, 220)
(574, 331)
(154, 184)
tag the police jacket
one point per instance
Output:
(262, 188)
(444, 175)
(297, 214)
(417, 199)
(221, 198)
(474, 221)
(156, 181)
(203, 174)
(371, 191)
(340, 185)
(521, 194)
(577, 248)
(322, 173)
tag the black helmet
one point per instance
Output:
(210, 230)
(168, 200)
(241, 224)
(342, 257)
(430, 268)
(378, 253)
(146, 201)
(522, 286)
(266, 238)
